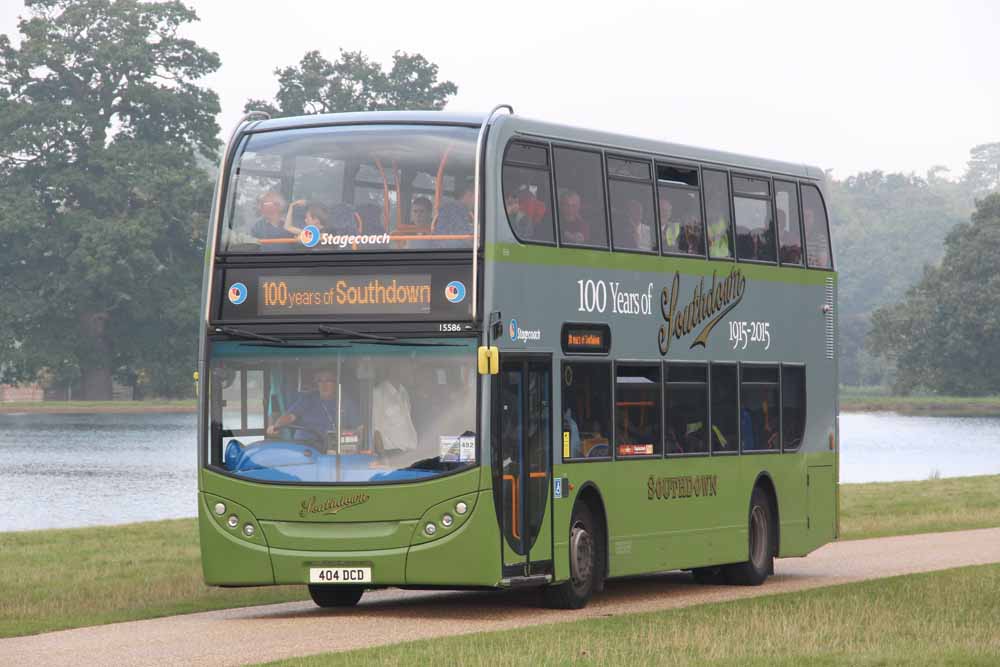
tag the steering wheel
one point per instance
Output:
(316, 439)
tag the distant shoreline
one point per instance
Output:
(99, 407)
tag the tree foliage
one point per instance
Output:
(942, 336)
(103, 207)
(355, 83)
(885, 228)
(983, 174)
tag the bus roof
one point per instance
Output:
(543, 129)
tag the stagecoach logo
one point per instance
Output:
(519, 335)
(716, 303)
(455, 291)
(309, 236)
(237, 293)
(331, 505)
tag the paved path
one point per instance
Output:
(256, 634)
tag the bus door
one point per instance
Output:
(522, 465)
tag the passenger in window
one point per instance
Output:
(718, 238)
(421, 212)
(392, 419)
(316, 215)
(640, 234)
(316, 413)
(670, 228)
(526, 212)
(791, 253)
(271, 223)
(455, 218)
(574, 228)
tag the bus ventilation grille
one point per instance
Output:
(830, 304)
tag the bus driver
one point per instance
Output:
(316, 412)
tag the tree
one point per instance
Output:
(355, 83)
(983, 172)
(942, 336)
(103, 204)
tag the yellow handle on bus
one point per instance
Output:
(489, 360)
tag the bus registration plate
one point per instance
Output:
(340, 575)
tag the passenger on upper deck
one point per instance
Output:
(455, 218)
(421, 212)
(640, 233)
(316, 215)
(571, 223)
(271, 223)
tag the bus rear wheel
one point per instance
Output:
(585, 563)
(336, 596)
(760, 563)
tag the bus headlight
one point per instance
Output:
(233, 521)
(430, 529)
(461, 507)
(248, 530)
(220, 508)
(447, 520)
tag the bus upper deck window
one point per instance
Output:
(527, 193)
(580, 182)
(814, 221)
(786, 202)
(717, 218)
(630, 190)
(681, 228)
(754, 226)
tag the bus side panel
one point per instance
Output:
(467, 557)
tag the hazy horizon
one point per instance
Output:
(888, 86)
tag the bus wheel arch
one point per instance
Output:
(760, 542)
(766, 484)
(587, 539)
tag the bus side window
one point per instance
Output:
(754, 226)
(681, 228)
(527, 194)
(586, 409)
(580, 183)
(685, 409)
(725, 408)
(786, 202)
(717, 214)
(637, 411)
(630, 190)
(759, 409)
(793, 406)
(814, 220)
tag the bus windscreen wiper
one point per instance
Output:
(356, 334)
(243, 333)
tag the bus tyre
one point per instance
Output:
(586, 563)
(336, 596)
(754, 571)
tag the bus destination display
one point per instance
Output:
(408, 294)
(586, 338)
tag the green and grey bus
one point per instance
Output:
(446, 350)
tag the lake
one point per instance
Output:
(77, 470)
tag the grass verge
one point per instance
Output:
(930, 506)
(98, 407)
(54, 579)
(927, 406)
(940, 617)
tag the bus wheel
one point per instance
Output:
(754, 571)
(584, 563)
(336, 596)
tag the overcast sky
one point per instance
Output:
(847, 85)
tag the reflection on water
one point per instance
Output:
(885, 447)
(78, 470)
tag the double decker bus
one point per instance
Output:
(443, 350)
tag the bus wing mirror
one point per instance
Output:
(489, 360)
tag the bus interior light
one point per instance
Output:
(233, 521)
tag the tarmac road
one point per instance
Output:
(257, 634)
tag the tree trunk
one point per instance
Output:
(95, 381)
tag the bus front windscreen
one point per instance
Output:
(348, 412)
(351, 189)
